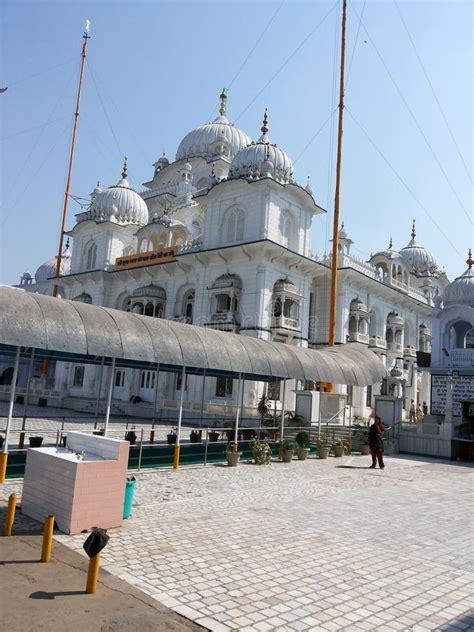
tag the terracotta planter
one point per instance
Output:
(171, 438)
(287, 455)
(302, 454)
(195, 437)
(338, 451)
(213, 436)
(323, 453)
(35, 442)
(365, 449)
(233, 458)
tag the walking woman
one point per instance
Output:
(376, 432)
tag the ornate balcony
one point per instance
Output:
(283, 322)
(355, 336)
(377, 342)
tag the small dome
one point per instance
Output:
(396, 372)
(119, 203)
(150, 291)
(227, 280)
(394, 319)
(262, 159)
(420, 257)
(219, 138)
(285, 285)
(389, 253)
(161, 163)
(461, 290)
(357, 305)
(47, 270)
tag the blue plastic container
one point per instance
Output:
(128, 501)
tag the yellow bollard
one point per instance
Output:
(176, 457)
(10, 518)
(93, 574)
(47, 538)
(3, 466)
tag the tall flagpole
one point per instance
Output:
(86, 38)
(335, 231)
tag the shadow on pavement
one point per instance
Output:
(41, 594)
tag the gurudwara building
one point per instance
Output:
(221, 237)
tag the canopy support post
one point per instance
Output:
(4, 455)
(282, 423)
(202, 398)
(237, 412)
(99, 389)
(180, 418)
(28, 386)
(109, 397)
(155, 398)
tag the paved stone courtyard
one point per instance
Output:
(316, 545)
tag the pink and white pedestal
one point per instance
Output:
(81, 491)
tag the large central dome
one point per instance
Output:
(219, 138)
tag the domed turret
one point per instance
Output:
(461, 290)
(47, 270)
(219, 138)
(389, 253)
(262, 159)
(119, 203)
(420, 258)
(161, 163)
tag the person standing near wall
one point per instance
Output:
(412, 412)
(376, 432)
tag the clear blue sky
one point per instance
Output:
(159, 67)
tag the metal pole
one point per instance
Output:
(12, 400)
(237, 412)
(282, 424)
(202, 398)
(27, 394)
(101, 372)
(109, 397)
(180, 418)
(140, 452)
(155, 398)
(205, 446)
(86, 38)
(335, 234)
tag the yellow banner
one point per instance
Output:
(151, 258)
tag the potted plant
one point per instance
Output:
(263, 408)
(213, 435)
(323, 446)
(195, 436)
(171, 437)
(338, 447)
(287, 450)
(262, 453)
(233, 454)
(302, 441)
(35, 442)
(131, 436)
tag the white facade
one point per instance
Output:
(241, 227)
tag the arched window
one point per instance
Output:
(469, 339)
(149, 309)
(91, 256)
(188, 305)
(286, 228)
(235, 226)
(119, 378)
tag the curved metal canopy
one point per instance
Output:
(74, 331)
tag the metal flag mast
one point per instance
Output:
(335, 232)
(86, 38)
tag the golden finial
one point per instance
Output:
(223, 98)
(413, 231)
(264, 128)
(390, 244)
(125, 171)
(469, 259)
(342, 226)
